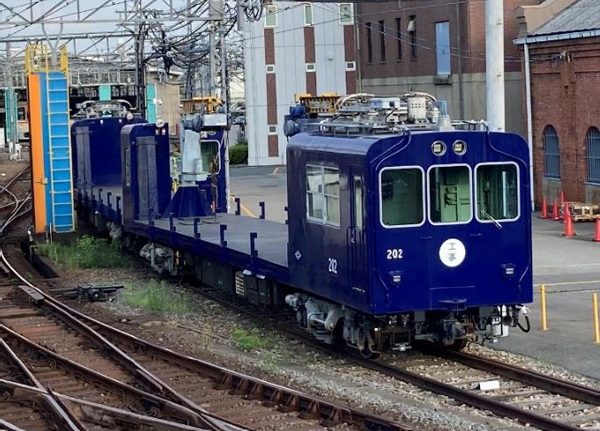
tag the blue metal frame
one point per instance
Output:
(156, 183)
(103, 153)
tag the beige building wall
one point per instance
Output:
(169, 110)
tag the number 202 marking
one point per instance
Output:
(333, 265)
(394, 253)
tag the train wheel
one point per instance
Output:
(369, 354)
(458, 345)
(338, 335)
(366, 350)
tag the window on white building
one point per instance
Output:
(308, 14)
(271, 16)
(346, 13)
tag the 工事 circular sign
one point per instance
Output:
(452, 252)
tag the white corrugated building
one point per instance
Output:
(294, 48)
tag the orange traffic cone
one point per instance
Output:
(562, 198)
(597, 235)
(555, 215)
(544, 208)
(569, 226)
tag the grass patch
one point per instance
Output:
(87, 252)
(249, 340)
(158, 297)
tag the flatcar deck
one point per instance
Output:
(271, 242)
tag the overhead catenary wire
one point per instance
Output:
(430, 47)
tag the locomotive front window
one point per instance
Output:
(323, 194)
(497, 192)
(401, 192)
(450, 194)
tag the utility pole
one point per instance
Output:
(494, 62)
(217, 83)
(140, 69)
(10, 106)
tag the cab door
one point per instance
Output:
(355, 235)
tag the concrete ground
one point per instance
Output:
(262, 183)
(569, 268)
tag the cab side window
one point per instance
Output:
(497, 192)
(401, 192)
(323, 195)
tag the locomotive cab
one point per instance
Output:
(419, 233)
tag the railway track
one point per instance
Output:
(99, 375)
(16, 207)
(142, 368)
(531, 398)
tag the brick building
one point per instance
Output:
(294, 48)
(438, 47)
(564, 60)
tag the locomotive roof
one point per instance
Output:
(357, 144)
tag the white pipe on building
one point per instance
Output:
(529, 119)
(494, 62)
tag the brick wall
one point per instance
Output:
(469, 16)
(565, 86)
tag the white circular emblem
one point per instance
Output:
(452, 252)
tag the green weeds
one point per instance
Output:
(87, 252)
(249, 340)
(158, 297)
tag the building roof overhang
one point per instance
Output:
(557, 37)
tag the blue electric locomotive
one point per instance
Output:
(402, 226)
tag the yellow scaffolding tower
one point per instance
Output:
(38, 58)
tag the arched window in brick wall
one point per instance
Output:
(551, 152)
(593, 155)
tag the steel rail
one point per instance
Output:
(90, 411)
(15, 178)
(273, 394)
(17, 202)
(464, 396)
(148, 400)
(206, 419)
(551, 384)
(8, 426)
(59, 414)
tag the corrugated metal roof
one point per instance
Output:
(583, 15)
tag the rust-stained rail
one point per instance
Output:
(471, 398)
(245, 387)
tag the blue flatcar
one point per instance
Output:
(402, 226)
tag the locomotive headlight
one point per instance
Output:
(459, 147)
(508, 270)
(438, 148)
(396, 277)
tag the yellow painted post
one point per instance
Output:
(543, 305)
(596, 322)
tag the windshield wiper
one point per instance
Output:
(496, 222)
